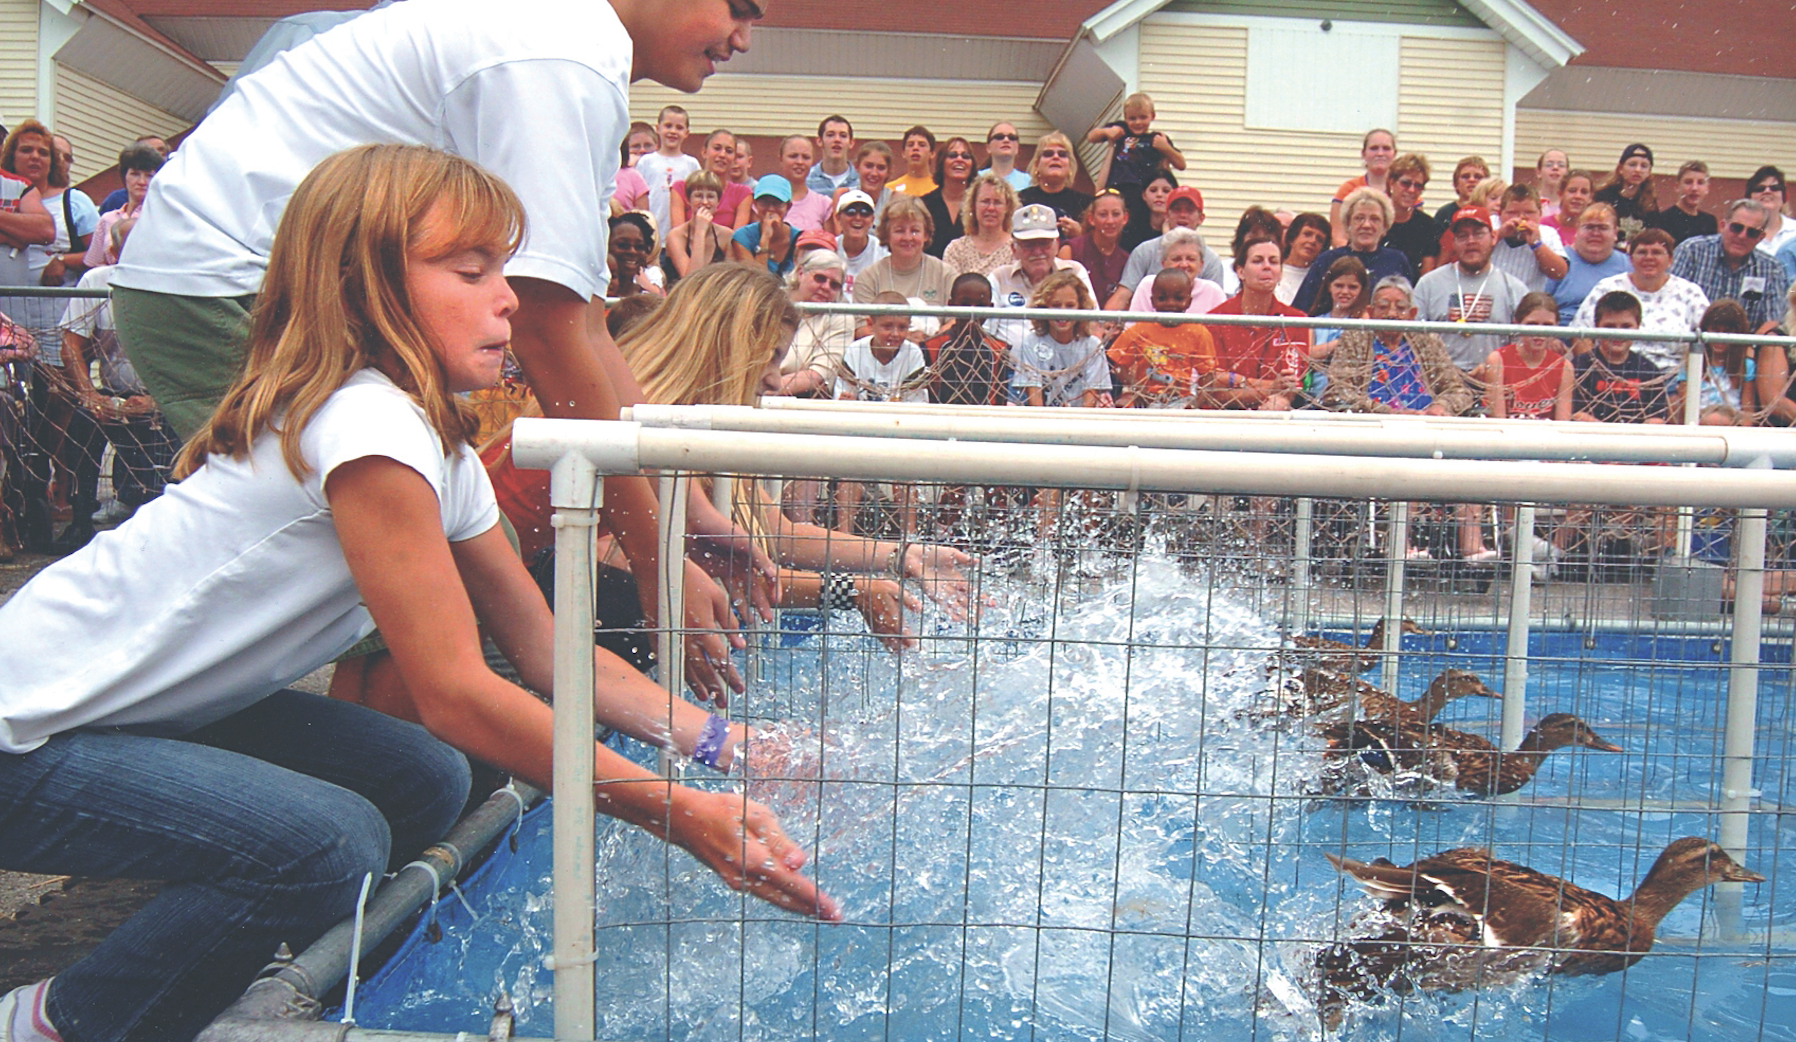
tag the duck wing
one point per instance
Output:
(1512, 906)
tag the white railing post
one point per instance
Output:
(575, 492)
(671, 493)
(1396, 554)
(1742, 706)
(1692, 418)
(1521, 598)
(1302, 537)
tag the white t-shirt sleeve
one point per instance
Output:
(565, 178)
(371, 417)
(83, 313)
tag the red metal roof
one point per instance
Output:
(1732, 37)
(1031, 19)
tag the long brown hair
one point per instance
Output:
(334, 299)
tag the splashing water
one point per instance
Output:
(1065, 829)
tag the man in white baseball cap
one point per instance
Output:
(1035, 240)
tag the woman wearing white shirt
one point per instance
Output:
(31, 152)
(1667, 302)
(1766, 187)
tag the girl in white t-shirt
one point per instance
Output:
(149, 731)
(1059, 361)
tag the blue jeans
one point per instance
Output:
(263, 824)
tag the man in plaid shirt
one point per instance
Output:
(1730, 265)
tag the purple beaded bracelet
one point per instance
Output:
(710, 741)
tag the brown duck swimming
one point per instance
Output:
(1344, 657)
(1466, 761)
(1461, 919)
(1329, 694)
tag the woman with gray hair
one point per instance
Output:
(1388, 371)
(1182, 249)
(1367, 214)
(809, 367)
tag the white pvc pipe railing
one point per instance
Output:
(574, 492)
(1300, 432)
(632, 447)
(1396, 557)
(1515, 662)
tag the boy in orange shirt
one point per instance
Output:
(1165, 364)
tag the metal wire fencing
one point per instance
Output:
(1098, 804)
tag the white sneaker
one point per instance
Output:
(22, 1016)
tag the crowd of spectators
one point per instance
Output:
(963, 225)
(936, 222)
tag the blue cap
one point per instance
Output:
(774, 185)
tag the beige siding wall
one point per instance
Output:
(775, 106)
(100, 120)
(1732, 148)
(1450, 102)
(18, 60)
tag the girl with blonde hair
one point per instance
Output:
(1052, 169)
(151, 731)
(719, 340)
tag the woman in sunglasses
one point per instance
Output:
(1052, 170)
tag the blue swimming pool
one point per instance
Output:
(1067, 829)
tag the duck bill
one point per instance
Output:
(1740, 874)
(1602, 746)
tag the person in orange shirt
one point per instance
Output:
(1165, 364)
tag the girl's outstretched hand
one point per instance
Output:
(711, 631)
(742, 842)
(938, 570)
(883, 604)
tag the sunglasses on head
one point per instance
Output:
(1747, 230)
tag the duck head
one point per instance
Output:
(1557, 730)
(1407, 625)
(1459, 683)
(1692, 863)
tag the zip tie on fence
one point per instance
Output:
(431, 931)
(355, 950)
(511, 789)
(551, 963)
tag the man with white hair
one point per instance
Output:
(1035, 238)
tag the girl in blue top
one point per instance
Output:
(146, 728)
